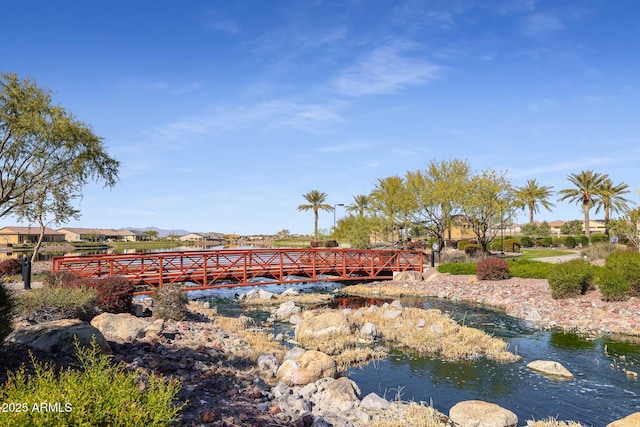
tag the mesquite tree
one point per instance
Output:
(46, 155)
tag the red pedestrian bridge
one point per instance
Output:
(226, 268)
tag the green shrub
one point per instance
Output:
(529, 269)
(43, 305)
(170, 302)
(512, 245)
(570, 279)
(10, 266)
(583, 240)
(570, 242)
(492, 268)
(462, 244)
(472, 249)
(557, 241)
(458, 268)
(627, 264)
(7, 307)
(98, 394)
(612, 284)
(599, 237)
(526, 241)
(59, 279)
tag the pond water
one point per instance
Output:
(597, 395)
(600, 392)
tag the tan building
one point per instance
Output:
(21, 235)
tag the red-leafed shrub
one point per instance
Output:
(115, 293)
(10, 266)
(492, 269)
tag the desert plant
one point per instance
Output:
(600, 250)
(453, 256)
(170, 302)
(492, 268)
(59, 279)
(43, 305)
(570, 242)
(7, 306)
(570, 279)
(612, 284)
(627, 264)
(98, 394)
(10, 266)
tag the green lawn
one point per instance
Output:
(543, 253)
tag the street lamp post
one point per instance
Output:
(334, 214)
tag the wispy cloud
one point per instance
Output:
(569, 167)
(346, 147)
(540, 25)
(276, 114)
(387, 69)
(226, 26)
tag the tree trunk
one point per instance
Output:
(38, 245)
(315, 225)
(587, 228)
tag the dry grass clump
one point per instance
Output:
(386, 289)
(305, 299)
(438, 335)
(343, 343)
(416, 415)
(258, 341)
(552, 422)
(261, 342)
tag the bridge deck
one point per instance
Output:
(244, 267)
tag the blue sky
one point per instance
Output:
(223, 113)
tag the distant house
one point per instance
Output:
(595, 226)
(102, 235)
(192, 237)
(20, 235)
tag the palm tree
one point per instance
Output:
(532, 196)
(611, 200)
(587, 189)
(360, 205)
(316, 201)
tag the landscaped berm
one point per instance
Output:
(77, 346)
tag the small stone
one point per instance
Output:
(207, 416)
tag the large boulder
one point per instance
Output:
(286, 310)
(550, 367)
(340, 394)
(477, 413)
(322, 325)
(126, 327)
(307, 368)
(59, 336)
(632, 420)
(408, 276)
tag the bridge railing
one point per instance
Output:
(241, 267)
